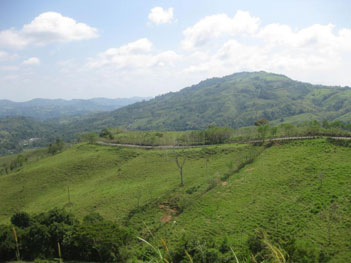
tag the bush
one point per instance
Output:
(106, 133)
(7, 244)
(21, 219)
(101, 241)
(38, 236)
(56, 147)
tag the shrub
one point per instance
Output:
(20, 219)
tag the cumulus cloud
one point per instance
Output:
(220, 25)
(31, 61)
(133, 55)
(314, 53)
(219, 45)
(48, 27)
(158, 15)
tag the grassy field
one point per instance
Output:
(108, 180)
(293, 191)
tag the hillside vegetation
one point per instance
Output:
(19, 133)
(236, 100)
(296, 194)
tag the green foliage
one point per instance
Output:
(93, 218)
(100, 241)
(20, 219)
(89, 241)
(261, 122)
(106, 133)
(18, 134)
(339, 142)
(56, 147)
(89, 137)
(263, 130)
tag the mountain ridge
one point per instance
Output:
(235, 100)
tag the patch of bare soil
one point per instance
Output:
(166, 218)
(166, 207)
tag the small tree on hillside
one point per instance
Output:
(56, 147)
(261, 122)
(89, 137)
(274, 131)
(106, 133)
(180, 161)
(288, 129)
(263, 130)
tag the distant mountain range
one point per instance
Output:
(43, 109)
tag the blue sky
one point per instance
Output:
(83, 48)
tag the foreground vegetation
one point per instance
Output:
(291, 197)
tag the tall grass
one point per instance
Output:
(17, 247)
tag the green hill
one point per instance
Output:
(19, 133)
(236, 100)
(297, 192)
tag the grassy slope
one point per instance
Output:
(279, 192)
(103, 179)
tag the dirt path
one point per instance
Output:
(196, 146)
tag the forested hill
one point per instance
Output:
(42, 109)
(18, 133)
(235, 100)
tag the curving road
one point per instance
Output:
(194, 146)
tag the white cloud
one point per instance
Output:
(31, 61)
(158, 15)
(134, 55)
(315, 53)
(216, 45)
(220, 25)
(48, 27)
(219, 45)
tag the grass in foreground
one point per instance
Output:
(298, 193)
